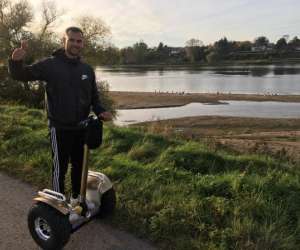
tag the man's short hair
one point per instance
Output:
(74, 29)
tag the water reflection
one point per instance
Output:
(238, 79)
(286, 71)
(223, 70)
(245, 73)
(255, 72)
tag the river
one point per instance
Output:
(279, 80)
(226, 108)
(238, 79)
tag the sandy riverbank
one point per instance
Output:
(133, 100)
(279, 137)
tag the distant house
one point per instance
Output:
(258, 48)
(297, 49)
(176, 51)
(262, 48)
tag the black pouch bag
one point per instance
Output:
(94, 133)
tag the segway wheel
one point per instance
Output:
(108, 203)
(49, 228)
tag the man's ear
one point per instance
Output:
(63, 40)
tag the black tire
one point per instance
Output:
(57, 231)
(108, 203)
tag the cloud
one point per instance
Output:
(174, 22)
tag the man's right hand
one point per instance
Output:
(19, 53)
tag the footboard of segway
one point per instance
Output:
(53, 199)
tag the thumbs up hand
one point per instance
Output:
(19, 53)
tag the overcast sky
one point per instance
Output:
(173, 22)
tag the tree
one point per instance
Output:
(222, 48)
(244, 46)
(109, 55)
(50, 14)
(160, 54)
(94, 31)
(160, 47)
(194, 50)
(140, 50)
(194, 43)
(127, 56)
(294, 43)
(14, 18)
(45, 40)
(212, 57)
(261, 41)
(14, 26)
(281, 44)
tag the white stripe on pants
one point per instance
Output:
(55, 174)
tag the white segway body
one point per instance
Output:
(97, 185)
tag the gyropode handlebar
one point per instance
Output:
(84, 124)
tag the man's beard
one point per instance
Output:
(70, 51)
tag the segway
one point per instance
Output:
(51, 219)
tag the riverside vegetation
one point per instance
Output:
(180, 194)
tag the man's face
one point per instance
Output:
(73, 43)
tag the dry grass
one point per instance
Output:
(278, 137)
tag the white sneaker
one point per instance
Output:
(74, 201)
(90, 205)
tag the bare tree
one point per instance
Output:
(194, 43)
(50, 14)
(94, 29)
(193, 50)
(14, 19)
(45, 40)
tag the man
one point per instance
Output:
(71, 92)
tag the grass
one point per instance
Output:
(179, 194)
(278, 138)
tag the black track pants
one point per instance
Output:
(67, 146)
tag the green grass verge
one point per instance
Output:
(179, 194)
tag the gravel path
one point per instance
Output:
(16, 199)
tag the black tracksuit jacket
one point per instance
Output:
(70, 86)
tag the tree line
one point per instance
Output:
(195, 52)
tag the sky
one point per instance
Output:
(173, 22)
